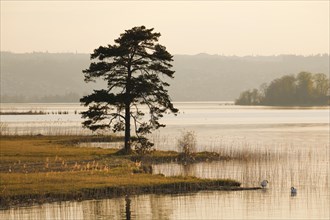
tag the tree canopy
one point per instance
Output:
(135, 68)
(301, 90)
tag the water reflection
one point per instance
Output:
(202, 205)
(128, 207)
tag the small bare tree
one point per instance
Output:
(187, 143)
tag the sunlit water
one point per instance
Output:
(298, 138)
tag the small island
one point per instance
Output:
(305, 89)
(56, 168)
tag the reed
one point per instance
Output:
(54, 128)
(234, 149)
(302, 166)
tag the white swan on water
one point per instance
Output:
(264, 183)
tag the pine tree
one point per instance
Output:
(135, 68)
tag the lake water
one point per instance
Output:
(293, 142)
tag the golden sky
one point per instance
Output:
(187, 27)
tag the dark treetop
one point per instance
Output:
(134, 69)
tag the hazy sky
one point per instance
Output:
(187, 27)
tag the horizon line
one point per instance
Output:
(181, 54)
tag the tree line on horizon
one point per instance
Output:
(70, 97)
(303, 89)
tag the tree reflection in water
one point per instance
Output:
(128, 207)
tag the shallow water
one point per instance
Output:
(201, 205)
(297, 139)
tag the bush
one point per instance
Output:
(187, 143)
(142, 145)
(3, 128)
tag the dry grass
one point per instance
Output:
(14, 184)
(22, 149)
(38, 165)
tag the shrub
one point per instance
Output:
(142, 145)
(3, 128)
(187, 143)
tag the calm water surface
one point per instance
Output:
(297, 139)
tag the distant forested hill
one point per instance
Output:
(57, 77)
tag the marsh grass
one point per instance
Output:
(305, 167)
(240, 149)
(52, 128)
(284, 164)
(42, 168)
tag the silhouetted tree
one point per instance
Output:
(134, 69)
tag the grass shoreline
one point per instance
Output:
(113, 192)
(42, 169)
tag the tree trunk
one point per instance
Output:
(127, 112)
(127, 129)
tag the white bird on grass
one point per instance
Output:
(264, 183)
